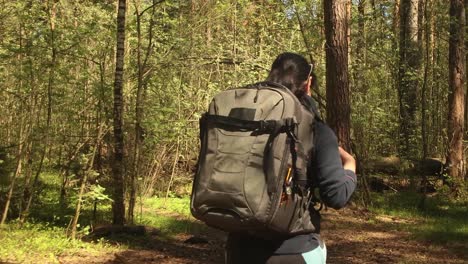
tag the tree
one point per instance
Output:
(336, 47)
(409, 65)
(142, 71)
(118, 207)
(455, 160)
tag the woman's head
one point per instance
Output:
(293, 71)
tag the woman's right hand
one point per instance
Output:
(349, 163)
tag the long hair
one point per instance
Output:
(290, 70)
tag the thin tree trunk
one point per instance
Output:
(84, 180)
(28, 174)
(118, 207)
(52, 14)
(424, 89)
(174, 167)
(17, 172)
(395, 41)
(408, 79)
(455, 160)
(338, 104)
(360, 56)
(360, 86)
(139, 103)
(316, 93)
(66, 171)
(432, 137)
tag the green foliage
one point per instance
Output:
(6, 168)
(97, 193)
(47, 209)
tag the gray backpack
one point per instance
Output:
(256, 143)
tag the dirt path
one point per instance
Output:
(351, 236)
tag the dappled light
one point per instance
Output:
(161, 131)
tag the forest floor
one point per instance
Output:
(352, 235)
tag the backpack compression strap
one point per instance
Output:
(271, 127)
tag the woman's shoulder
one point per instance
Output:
(323, 131)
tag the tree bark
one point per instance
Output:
(466, 83)
(455, 161)
(336, 48)
(349, 6)
(118, 207)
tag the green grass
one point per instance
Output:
(442, 221)
(44, 240)
(41, 243)
(171, 216)
(176, 205)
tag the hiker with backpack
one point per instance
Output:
(264, 149)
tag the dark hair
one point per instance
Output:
(290, 70)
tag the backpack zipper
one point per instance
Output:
(274, 206)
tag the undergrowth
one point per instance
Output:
(43, 238)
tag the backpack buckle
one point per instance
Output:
(291, 128)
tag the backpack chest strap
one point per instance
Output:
(257, 127)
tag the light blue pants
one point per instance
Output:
(316, 256)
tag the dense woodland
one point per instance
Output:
(106, 95)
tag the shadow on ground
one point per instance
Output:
(149, 245)
(351, 236)
(154, 249)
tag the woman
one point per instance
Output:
(333, 171)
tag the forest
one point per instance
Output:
(100, 104)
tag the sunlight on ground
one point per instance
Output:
(39, 243)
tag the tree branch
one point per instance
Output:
(149, 7)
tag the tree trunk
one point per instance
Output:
(336, 47)
(29, 195)
(395, 40)
(360, 54)
(409, 65)
(17, 172)
(466, 83)
(424, 100)
(118, 207)
(424, 88)
(142, 62)
(455, 161)
(349, 6)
